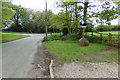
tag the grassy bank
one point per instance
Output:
(11, 37)
(67, 50)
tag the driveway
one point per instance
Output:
(18, 55)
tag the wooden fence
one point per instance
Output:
(112, 39)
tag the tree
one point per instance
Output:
(21, 18)
(103, 12)
(7, 13)
(109, 12)
(66, 13)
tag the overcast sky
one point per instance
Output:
(40, 5)
(37, 4)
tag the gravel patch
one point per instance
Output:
(86, 70)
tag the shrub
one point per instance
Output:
(64, 37)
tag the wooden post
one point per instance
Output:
(101, 36)
(86, 33)
(92, 33)
(109, 38)
(83, 33)
(46, 21)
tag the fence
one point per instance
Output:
(112, 39)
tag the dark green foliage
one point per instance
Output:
(55, 37)
(54, 30)
(64, 37)
(89, 27)
(93, 39)
(26, 20)
(15, 28)
(29, 21)
(71, 37)
(65, 31)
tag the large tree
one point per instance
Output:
(7, 13)
(100, 11)
(21, 17)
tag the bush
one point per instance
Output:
(94, 39)
(64, 37)
(15, 28)
(71, 37)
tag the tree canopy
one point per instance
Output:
(18, 18)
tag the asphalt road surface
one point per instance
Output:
(17, 56)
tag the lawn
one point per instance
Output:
(105, 32)
(112, 32)
(11, 37)
(69, 51)
(18, 32)
(113, 55)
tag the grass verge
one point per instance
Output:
(18, 32)
(11, 37)
(67, 50)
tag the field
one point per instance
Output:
(105, 33)
(113, 32)
(11, 37)
(69, 51)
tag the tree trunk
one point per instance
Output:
(76, 17)
(68, 24)
(17, 22)
(85, 10)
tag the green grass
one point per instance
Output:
(19, 32)
(68, 50)
(113, 32)
(57, 34)
(105, 37)
(10, 37)
(113, 55)
(105, 32)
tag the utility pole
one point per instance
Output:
(119, 14)
(46, 20)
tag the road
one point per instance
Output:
(17, 56)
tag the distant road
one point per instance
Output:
(17, 56)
